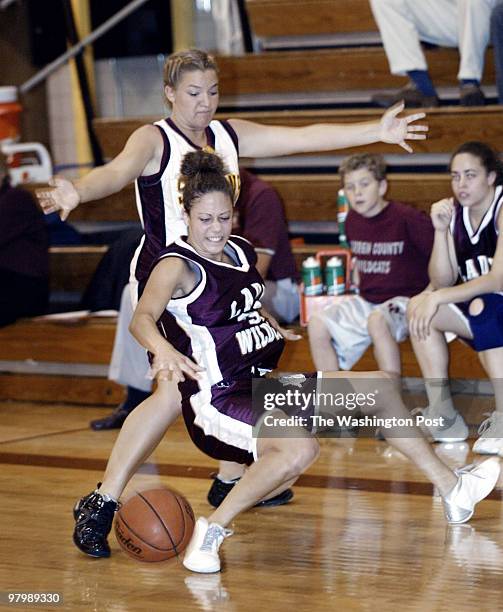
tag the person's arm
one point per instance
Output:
(263, 263)
(424, 306)
(168, 275)
(256, 140)
(443, 265)
(141, 155)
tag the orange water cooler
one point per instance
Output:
(10, 114)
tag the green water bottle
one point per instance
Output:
(334, 276)
(311, 276)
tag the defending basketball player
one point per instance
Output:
(152, 157)
(202, 293)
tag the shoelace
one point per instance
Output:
(491, 421)
(215, 533)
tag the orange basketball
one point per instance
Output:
(154, 525)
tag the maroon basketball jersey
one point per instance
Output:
(475, 248)
(219, 324)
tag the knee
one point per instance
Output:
(376, 324)
(476, 307)
(305, 454)
(301, 454)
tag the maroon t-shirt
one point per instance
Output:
(260, 218)
(392, 251)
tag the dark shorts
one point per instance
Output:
(487, 327)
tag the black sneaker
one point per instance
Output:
(412, 97)
(471, 95)
(219, 491)
(94, 516)
(115, 420)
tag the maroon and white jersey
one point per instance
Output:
(219, 324)
(158, 196)
(475, 248)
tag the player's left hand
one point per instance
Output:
(422, 309)
(397, 130)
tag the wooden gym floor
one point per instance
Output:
(364, 531)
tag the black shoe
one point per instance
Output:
(412, 97)
(93, 523)
(219, 491)
(471, 95)
(112, 421)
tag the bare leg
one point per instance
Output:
(433, 357)
(141, 433)
(408, 440)
(386, 349)
(320, 343)
(280, 462)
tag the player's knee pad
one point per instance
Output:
(487, 327)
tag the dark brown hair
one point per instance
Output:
(203, 172)
(489, 158)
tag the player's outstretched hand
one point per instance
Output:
(63, 198)
(397, 130)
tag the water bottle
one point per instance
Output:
(311, 276)
(334, 276)
(342, 213)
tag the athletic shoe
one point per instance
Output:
(114, 420)
(411, 96)
(490, 441)
(471, 95)
(474, 483)
(452, 429)
(219, 491)
(202, 551)
(94, 517)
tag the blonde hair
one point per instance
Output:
(186, 61)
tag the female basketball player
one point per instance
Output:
(201, 299)
(466, 271)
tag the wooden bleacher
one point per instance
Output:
(309, 17)
(448, 126)
(329, 70)
(306, 197)
(90, 341)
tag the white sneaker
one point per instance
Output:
(452, 429)
(202, 552)
(474, 483)
(490, 441)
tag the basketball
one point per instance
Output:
(154, 525)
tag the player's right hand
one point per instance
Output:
(63, 198)
(172, 365)
(441, 214)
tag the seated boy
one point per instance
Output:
(392, 243)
